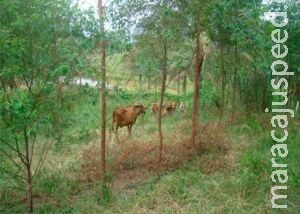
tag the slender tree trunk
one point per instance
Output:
(178, 85)
(184, 82)
(251, 105)
(223, 81)
(288, 106)
(27, 162)
(155, 82)
(140, 82)
(200, 80)
(234, 85)
(29, 190)
(163, 87)
(59, 99)
(103, 88)
(196, 81)
(255, 90)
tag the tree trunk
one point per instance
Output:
(140, 82)
(59, 99)
(163, 87)
(184, 82)
(223, 81)
(103, 87)
(27, 163)
(29, 190)
(288, 106)
(234, 85)
(155, 90)
(196, 81)
(178, 85)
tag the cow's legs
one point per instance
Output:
(129, 130)
(116, 132)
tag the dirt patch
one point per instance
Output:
(135, 162)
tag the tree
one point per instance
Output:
(294, 53)
(194, 11)
(37, 47)
(154, 32)
(103, 89)
(197, 70)
(241, 49)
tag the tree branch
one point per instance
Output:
(11, 147)
(12, 173)
(19, 152)
(42, 159)
(7, 155)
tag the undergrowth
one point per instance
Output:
(227, 170)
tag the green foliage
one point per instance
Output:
(52, 183)
(39, 43)
(88, 112)
(255, 169)
(42, 41)
(105, 196)
(243, 187)
(255, 166)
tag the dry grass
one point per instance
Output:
(133, 162)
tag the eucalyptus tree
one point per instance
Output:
(157, 25)
(291, 52)
(181, 68)
(161, 27)
(196, 8)
(219, 30)
(103, 84)
(194, 20)
(293, 56)
(39, 42)
(147, 68)
(241, 35)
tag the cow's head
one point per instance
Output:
(172, 105)
(140, 109)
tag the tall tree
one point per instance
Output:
(37, 45)
(103, 89)
(196, 78)
(154, 32)
(239, 44)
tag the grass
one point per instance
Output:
(231, 174)
(125, 78)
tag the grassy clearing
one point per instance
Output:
(228, 173)
(120, 74)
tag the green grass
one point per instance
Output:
(242, 187)
(125, 78)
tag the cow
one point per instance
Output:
(154, 107)
(126, 116)
(169, 108)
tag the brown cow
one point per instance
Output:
(154, 107)
(170, 107)
(126, 116)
